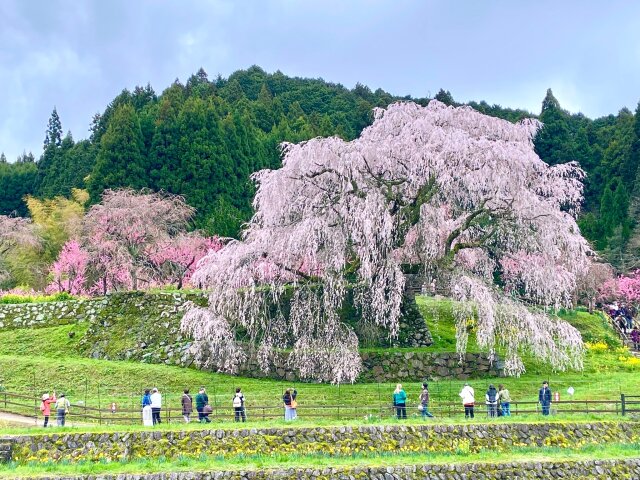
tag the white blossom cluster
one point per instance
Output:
(459, 195)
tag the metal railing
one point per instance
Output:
(28, 406)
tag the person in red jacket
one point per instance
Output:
(45, 406)
(635, 338)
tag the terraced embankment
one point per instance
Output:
(334, 441)
(364, 452)
(619, 469)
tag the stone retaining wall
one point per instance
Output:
(394, 365)
(49, 314)
(337, 441)
(624, 469)
(5, 452)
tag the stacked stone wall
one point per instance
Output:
(623, 469)
(334, 441)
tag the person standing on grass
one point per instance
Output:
(147, 416)
(45, 406)
(424, 401)
(238, 406)
(468, 400)
(156, 405)
(504, 399)
(202, 400)
(290, 404)
(62, 409)
(491, 399)
(635, 338)
(544, 397)
(187, 406)
(400, 402)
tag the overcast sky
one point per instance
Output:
(77, 55)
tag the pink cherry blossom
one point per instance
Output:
(69, 271)
(460, 195)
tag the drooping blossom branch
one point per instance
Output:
(458, 194)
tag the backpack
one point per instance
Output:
(492, 395)
(237, 401)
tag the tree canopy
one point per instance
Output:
(203, 138)
(454, 194)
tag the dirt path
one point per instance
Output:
(17, 420)
(13, 420)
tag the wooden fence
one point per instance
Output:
(29, 406)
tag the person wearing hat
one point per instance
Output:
(62, 408)
(45, 406)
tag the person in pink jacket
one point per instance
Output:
(45, 406)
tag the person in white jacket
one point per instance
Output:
(468, 400)
(156, 405)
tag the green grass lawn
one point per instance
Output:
(33, 361)
(301, 422)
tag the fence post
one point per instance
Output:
(624, 406)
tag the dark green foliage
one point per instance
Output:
(554, 143)
(121, 159)
(445, 97)
(16, 181)
(205, 138)
(53, 136)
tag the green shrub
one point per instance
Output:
(11, 298)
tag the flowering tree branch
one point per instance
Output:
(457, 194)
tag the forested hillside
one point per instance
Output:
(204, 138)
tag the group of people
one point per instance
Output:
(60, 405)
(623, 315)
(152, 406)
(400, 402)
(498, 401)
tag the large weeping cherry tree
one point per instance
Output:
(458, 195)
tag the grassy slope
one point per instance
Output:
(34, 360)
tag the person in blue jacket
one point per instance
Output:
(146, 398)
(400, 402)
(544, 398)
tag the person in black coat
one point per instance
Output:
(544, 397)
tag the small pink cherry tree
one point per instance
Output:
(459, 195)
(68, 272)
(175, 259)
(122, 229)
(591, 284)
(624, 288)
